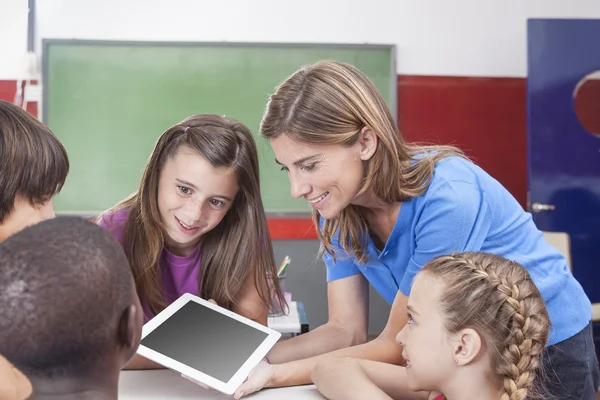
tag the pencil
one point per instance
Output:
(283, 266)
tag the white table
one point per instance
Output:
(165, 384)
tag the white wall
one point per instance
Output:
(433, 37)
(13, 37)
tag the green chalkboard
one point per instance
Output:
(108, 102)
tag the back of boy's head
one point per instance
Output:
(33, 162)
(64, 285)
(498, 299)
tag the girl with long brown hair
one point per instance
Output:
(197, 223)
(384, 208)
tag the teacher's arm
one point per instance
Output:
(383, 349)
(348, 306)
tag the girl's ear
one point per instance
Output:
(467, 346)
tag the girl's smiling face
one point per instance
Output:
(193, 198)
(427, 349)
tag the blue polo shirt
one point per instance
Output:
(465, 209)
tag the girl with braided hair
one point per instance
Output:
(477, 326)
(383, 209)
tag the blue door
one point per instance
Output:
(563, 156)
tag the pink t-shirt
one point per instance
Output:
(179, 275)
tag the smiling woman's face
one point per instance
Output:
(328, 176)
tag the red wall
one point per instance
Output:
(7, 92)
(485, 117)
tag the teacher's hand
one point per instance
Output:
(258, 378)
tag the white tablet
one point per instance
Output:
(206, 342)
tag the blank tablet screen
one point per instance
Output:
(205, 340)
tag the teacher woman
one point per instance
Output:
(384, 208)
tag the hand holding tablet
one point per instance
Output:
(205, 342)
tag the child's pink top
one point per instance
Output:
(179, 275)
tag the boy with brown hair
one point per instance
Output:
(33, 168)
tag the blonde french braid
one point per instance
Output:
(499, 300)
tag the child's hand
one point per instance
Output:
(259, 378)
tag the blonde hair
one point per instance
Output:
(237, 248)
(498, 299)
(331, 102)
